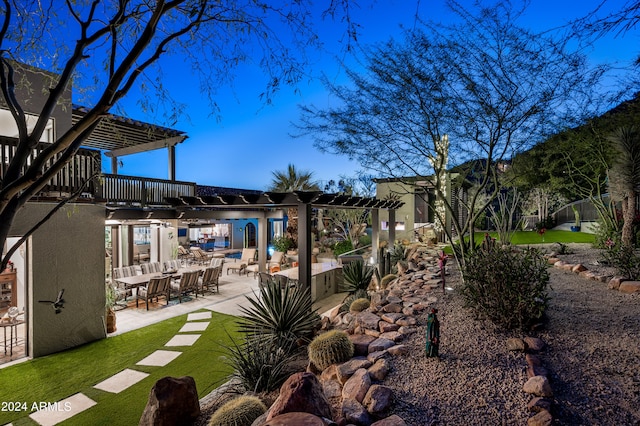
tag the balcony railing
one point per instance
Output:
(107, 188)
(130, 190)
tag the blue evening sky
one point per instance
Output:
(252, 139)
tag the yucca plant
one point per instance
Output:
(357, 276)
(261, 365)
(278, 314)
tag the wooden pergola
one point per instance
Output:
(265, 206)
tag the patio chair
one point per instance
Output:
(139, 256)
(216, 261)
(150, 268)
(157, 287)
(172, 265)
(248, 257)
(209, 279)
(264, 279)
(200, 256)
(187, 283)
(276, 260)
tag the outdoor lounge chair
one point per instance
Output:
(248, 257)
(157, 287)
(200, 256)
(276, 260)
(172, 265)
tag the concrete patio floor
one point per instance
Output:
(233, 290)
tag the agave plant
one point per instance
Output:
(278, 314)
(261, 365)
(357, 276)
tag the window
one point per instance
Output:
(9, 128)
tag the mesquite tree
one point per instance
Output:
(493, 87)
(111, 49)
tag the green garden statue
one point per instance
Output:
(433, 334)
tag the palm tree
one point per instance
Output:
(288, 181)
(624, 177)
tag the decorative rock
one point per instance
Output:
(332, 389)
(380, 369)
(533, 360)
(407, 321)
(515, 344)
(534, 344)
(378, 399)
(380, 344)
(368, 320)
(536, 371)
(538, 404)
(614, 283)
(398, 350)
(288, 419)
(391, 317)
(602, 278)
(393, 420)
(375, 356)
(386, 327)
(392, 335)
(406, 330)
(361, 343)
(630, 287)
(392, 307)
(355, 413)
(393, 299)
(301, 392)
(347, 369)
(543, 418)
(408, 310)
(357, 385)
(329, 373)
(539, 386)
(553, 260)
(589, 275)
(373, 333)
(172, 400)
(578, 268)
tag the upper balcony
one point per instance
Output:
(115, 137)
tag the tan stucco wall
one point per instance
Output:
(67, 252)
(403, 214)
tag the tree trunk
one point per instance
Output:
(628, 215)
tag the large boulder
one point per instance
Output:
(172, 401)
(301, 392)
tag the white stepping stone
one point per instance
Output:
(183, 340)
(58, 412)
(159, 358)
(196, 316)
(121, 381)
(194, 326)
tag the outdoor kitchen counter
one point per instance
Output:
(326, 278)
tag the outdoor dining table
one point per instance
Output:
(136, 281)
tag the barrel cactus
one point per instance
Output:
(359, 305)
(384, 282)
(241, 411)
(329, 348)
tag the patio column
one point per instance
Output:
(304, 244)
(171, 149)
(114, 165)
(262, 242)
(375, 234)
(392, 227)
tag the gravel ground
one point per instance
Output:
(593, 359)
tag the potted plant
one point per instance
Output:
(576, 214)
(110, 301)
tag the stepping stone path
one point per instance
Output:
(62, 410)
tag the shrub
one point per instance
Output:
(261, 365)
(329, 348)
(341, 247)
(364, 240)
(282, 243)
(241, 411)
(279, 314)
(623, 258)
(357, 276)
(384, 282)
(359, 305)
(507, 286)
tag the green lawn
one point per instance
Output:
(532, 238)
(57, 376)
